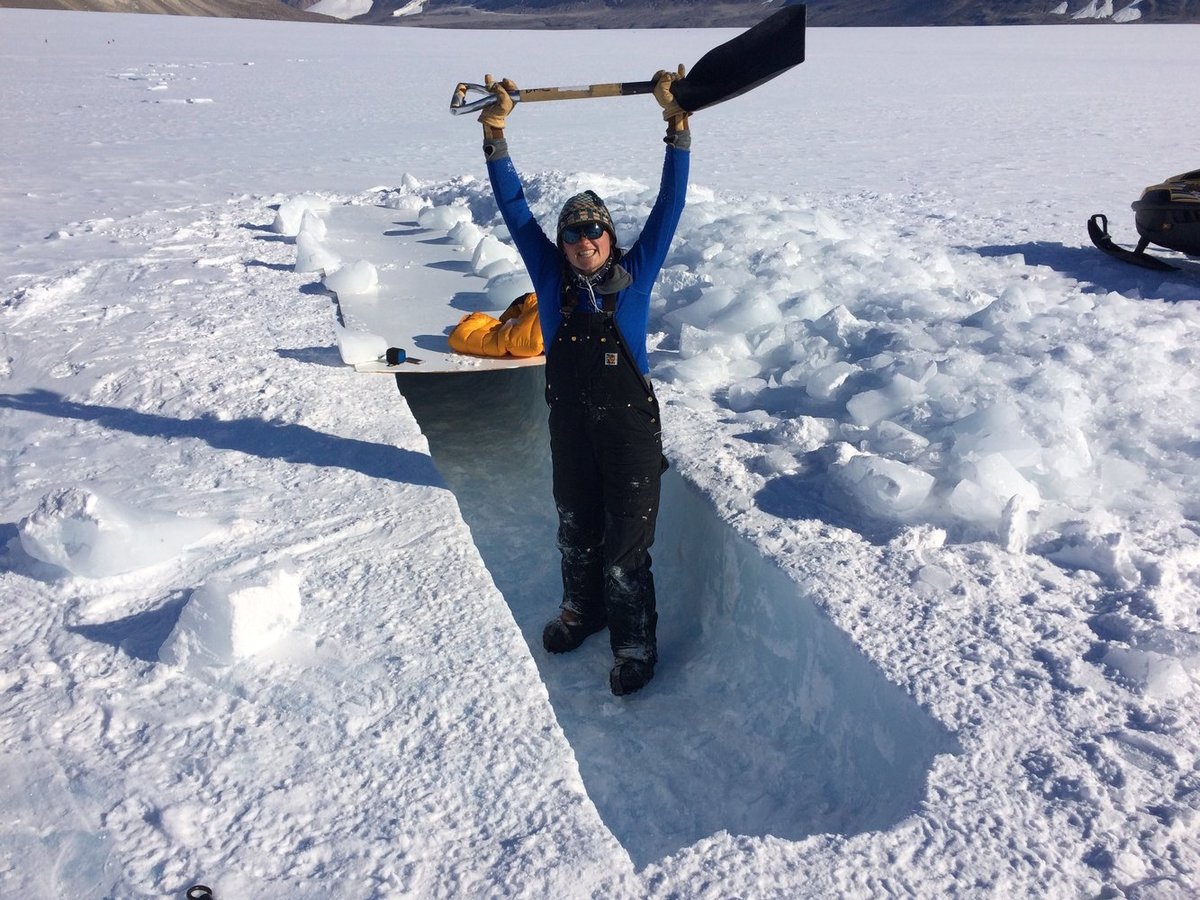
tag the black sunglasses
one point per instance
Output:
(591, 231)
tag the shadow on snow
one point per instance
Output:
(140, 635)
(284, 441)
(1098, 273)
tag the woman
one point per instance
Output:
(605, 430)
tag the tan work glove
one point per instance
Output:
(674, 114)
(495, 113)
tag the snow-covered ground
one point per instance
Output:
(928, 566)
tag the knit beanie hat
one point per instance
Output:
(583, 208)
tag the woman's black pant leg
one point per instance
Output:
(631, 461)
(580, 502)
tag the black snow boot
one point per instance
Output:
(629, 675)
(567, 632)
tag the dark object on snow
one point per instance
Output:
(1167, 215)
(199, 892)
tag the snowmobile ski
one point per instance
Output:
(1098, 232)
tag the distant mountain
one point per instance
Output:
(230, 9)
(657, 13)
(700, 13)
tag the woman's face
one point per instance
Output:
(587, 255)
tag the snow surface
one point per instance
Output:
(342, 9)
(410, 9)
(1103, 9)
(928, 565)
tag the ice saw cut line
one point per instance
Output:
(425, 288)
(770, 48)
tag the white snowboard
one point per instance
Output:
(404, 285)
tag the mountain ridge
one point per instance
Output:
(229, 9)
(661, 13)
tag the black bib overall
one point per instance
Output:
(606, 449)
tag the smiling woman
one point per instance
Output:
(605, 425)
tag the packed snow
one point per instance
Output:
(928, 565)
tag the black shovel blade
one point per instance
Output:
(768, 49)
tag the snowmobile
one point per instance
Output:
(1167, 214)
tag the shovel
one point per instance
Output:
(768, 49)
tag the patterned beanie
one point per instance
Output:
(583, 208)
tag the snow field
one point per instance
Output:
(925, 443)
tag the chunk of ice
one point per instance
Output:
(1157, 675)
(312, 224)
(824, 383)
(291, 213)
(359, 277)
(236, 614)
(489, 251)
(504, 288)
(313, 256)
(467, 235)
(887, 488)
(443, 218)
(358, 346)
(899, 394)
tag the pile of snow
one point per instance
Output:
(95, 536)
(235, 614)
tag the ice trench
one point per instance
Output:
(763, 718)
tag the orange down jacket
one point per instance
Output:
(516, 333)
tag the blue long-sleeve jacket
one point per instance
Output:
(545, 264)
